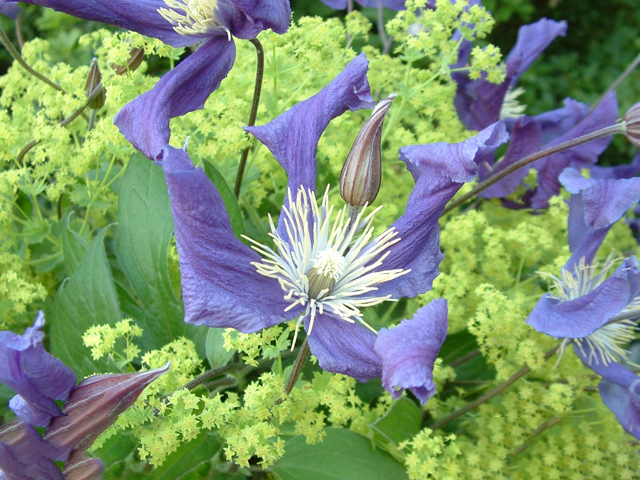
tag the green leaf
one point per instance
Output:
(74, 248)
(214, 346)
(229, 199)
(342, 454)
(145, 229)
(88, 298)
(401, 422)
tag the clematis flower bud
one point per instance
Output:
(362, 171)
(94, 80)
(80, 467)
(632, 120)
(93, 406)
(136, 55)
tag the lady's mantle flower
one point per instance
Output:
(597, 314)
(38, 378)
(323, 270)
(179, 23)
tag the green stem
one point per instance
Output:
(489, 395)
(257, 90)
(297, 370)
(623, 75)
(209, 374)
(604, 132)
(545, 426)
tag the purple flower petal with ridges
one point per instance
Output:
(390, 4)
(145, 120)
(220, 286)
(138, 15)
(619, 388)
(625, 170)
(10, 10)
(525, 138)
(293, 136)
(595, 206)
(25, 455)
(581, 156)
(556, 122)
(31, 372)
(409, 350)
(580, 317)
(343, 347)
(439, 170)
(253, 16)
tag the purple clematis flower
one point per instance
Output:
(480, 103)
(27, 369)
(90, 408)
(596, 313)
(10, 10)
(179, 23)
(390, 4)
(324, 270)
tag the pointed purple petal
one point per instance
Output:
(253, 16)
(619, 389)
(9, 9)
(439, 170)
(25, 455)
(629, 170)
(220, 287)
(138, 15)
(582, 156)
(409, 351)
(582, 316)
(555, 123)
(531, 42)
(293, 136)
(525, 139)
(145, 120)
(31, 372)
(343, 347)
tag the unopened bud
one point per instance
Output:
(136, 55)
(93, 406)
(362, 171)
(632, 121)
(78, 467)
(94, 81)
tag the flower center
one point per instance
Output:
(511, 108)
(191, 17)
(324, 264)
(610, 340)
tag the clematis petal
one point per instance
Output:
(343, 347)
(145, 120)
(619, 388)
(35, 375)
(138, 15)
(584, 315)
(555, 123)
(525, 138)
(390, 4)
(581, 156)
(25, 455)
(250, 17)
(293, 136)
(220, 287)
(409, 351)
(439, 170)
(9, 9)
(594, 207)
(624, 170)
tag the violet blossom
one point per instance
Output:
(10, 10)
(179, 23)
(324, 270)
(90, 407)
(597, 314)
(390, 4)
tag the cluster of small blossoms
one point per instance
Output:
(101, 339)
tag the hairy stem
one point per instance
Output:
(604, 132)
(489, 395)
(18, 27)
(297, 369)
(254, 110)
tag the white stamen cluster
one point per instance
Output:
(610, 340)
(339, 266)
(511, 108)
(191, 17)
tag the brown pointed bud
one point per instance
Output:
(362, 171)
(136, 55)
(632, 120)
(79, 467)
(93, 406)
(94, 80)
